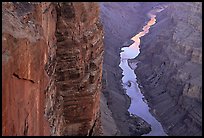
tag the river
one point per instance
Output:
(138, 104)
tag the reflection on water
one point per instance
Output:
(138, 106)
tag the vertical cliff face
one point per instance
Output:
(170, 68)
(24, 55)
(51, 68)
(79, 65)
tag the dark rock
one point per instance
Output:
(166, 64)
(128, 43)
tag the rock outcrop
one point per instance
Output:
(52, 68)
(170, 68)
(52, 58)
(79, 65)
(24, 79)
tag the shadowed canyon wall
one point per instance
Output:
(52, 58)
(121, 21)
(170, 68)
(51, 68)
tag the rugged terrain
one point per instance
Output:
(52, 59)
(52, 68)
(170, 68)
(121, 21)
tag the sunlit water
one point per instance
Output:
(138, 105)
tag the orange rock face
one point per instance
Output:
(24, 54)
(51, 68)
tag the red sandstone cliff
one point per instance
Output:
(51, 68)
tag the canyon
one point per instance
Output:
(172, 80)
(139, 106)
(61, 73)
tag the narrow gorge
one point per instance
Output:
(138, 106)
(101, 68)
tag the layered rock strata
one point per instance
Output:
(79, 65)
(51, 68)
(170, 68)
(121, 21)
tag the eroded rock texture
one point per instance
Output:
(24, 55)
(121, 21)
(79, 65)
(51, 68)
(170, 71)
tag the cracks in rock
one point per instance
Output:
(25, 132)
(17, 76)
(47, 9)
(92, 129)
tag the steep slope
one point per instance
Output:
(51, 68)
(24, 55)
(121, 21)
(170, 68)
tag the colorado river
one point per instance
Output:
(138, 106)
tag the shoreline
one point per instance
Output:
(118, 101)
(157, 128)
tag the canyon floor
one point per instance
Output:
(61, 73)
(121, 22)
(167, 76)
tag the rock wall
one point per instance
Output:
(79, 65)
(51, 68)
(24, 55)
(170, 68)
